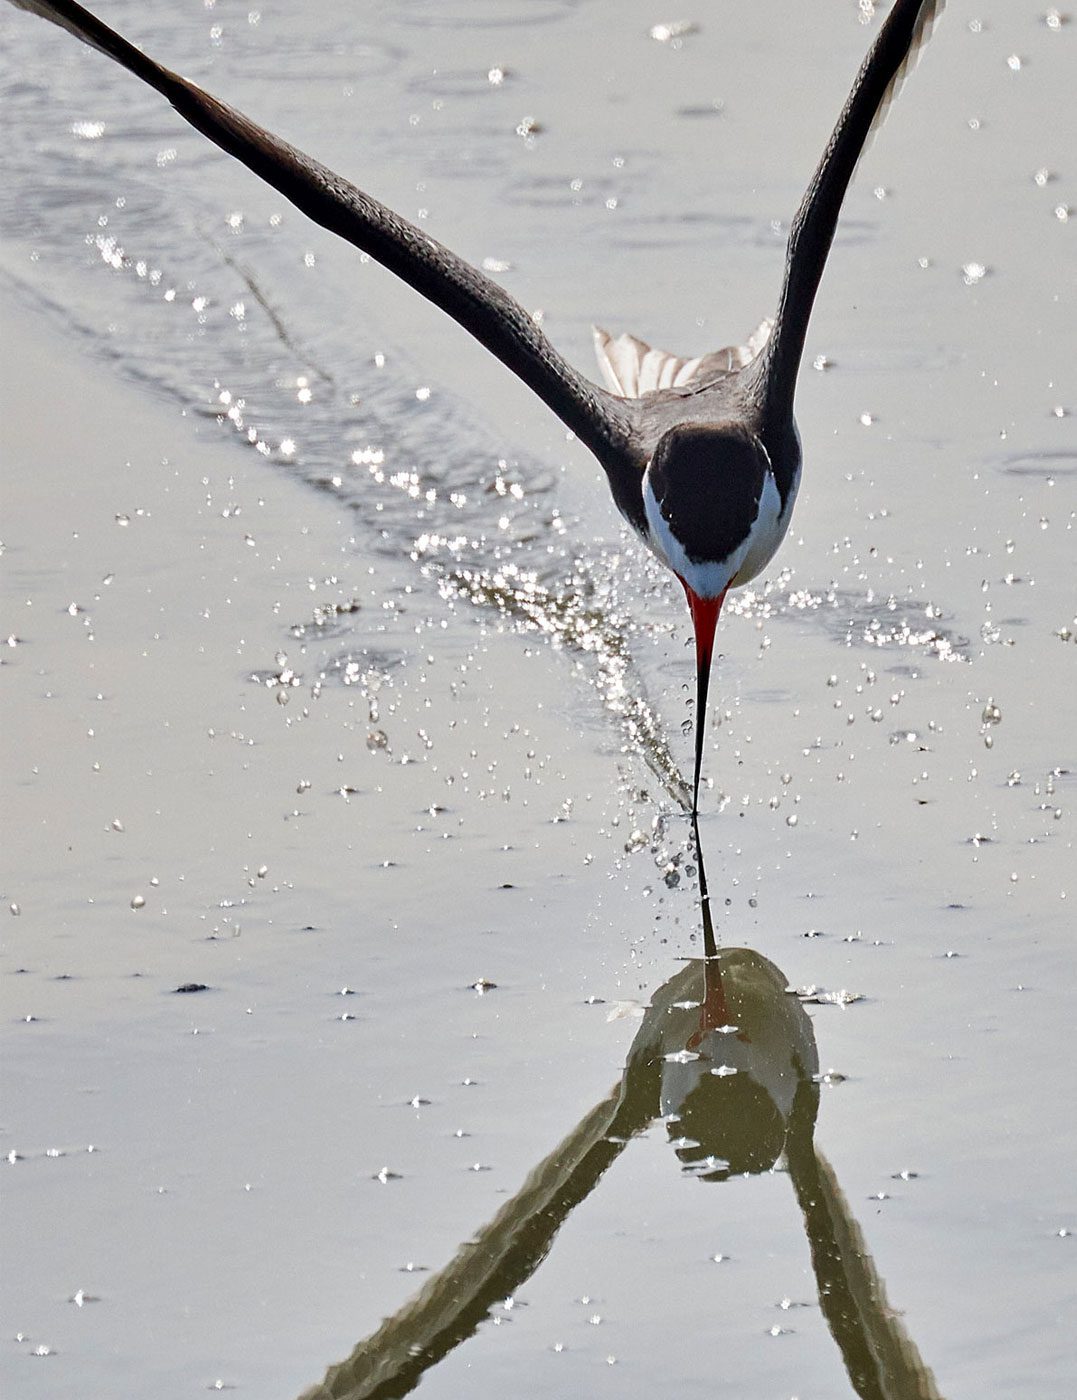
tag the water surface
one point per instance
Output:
(336, 688)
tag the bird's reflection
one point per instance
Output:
(725, 1056)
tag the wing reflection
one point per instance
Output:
(725, 1056)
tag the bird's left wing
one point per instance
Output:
(603, 422)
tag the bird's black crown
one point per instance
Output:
(708, 481)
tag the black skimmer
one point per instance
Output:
(702, 455)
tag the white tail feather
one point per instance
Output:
(632, 368)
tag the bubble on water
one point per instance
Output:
(819, 996)
(377, 739)
(673, 32)
(138, 902)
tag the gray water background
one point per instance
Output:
(475, 774)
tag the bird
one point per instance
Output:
(702, 455)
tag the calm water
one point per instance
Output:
(336, 688)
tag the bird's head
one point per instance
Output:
(701, 494)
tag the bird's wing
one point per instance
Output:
(632, 368)
(893, 53)
(599, 419)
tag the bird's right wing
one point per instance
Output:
(599, 419)
(895, 50)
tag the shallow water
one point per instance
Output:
(244, 467)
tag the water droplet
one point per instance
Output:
(673, 32)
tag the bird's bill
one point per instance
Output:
(705, 614)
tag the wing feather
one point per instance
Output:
(472, 299)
